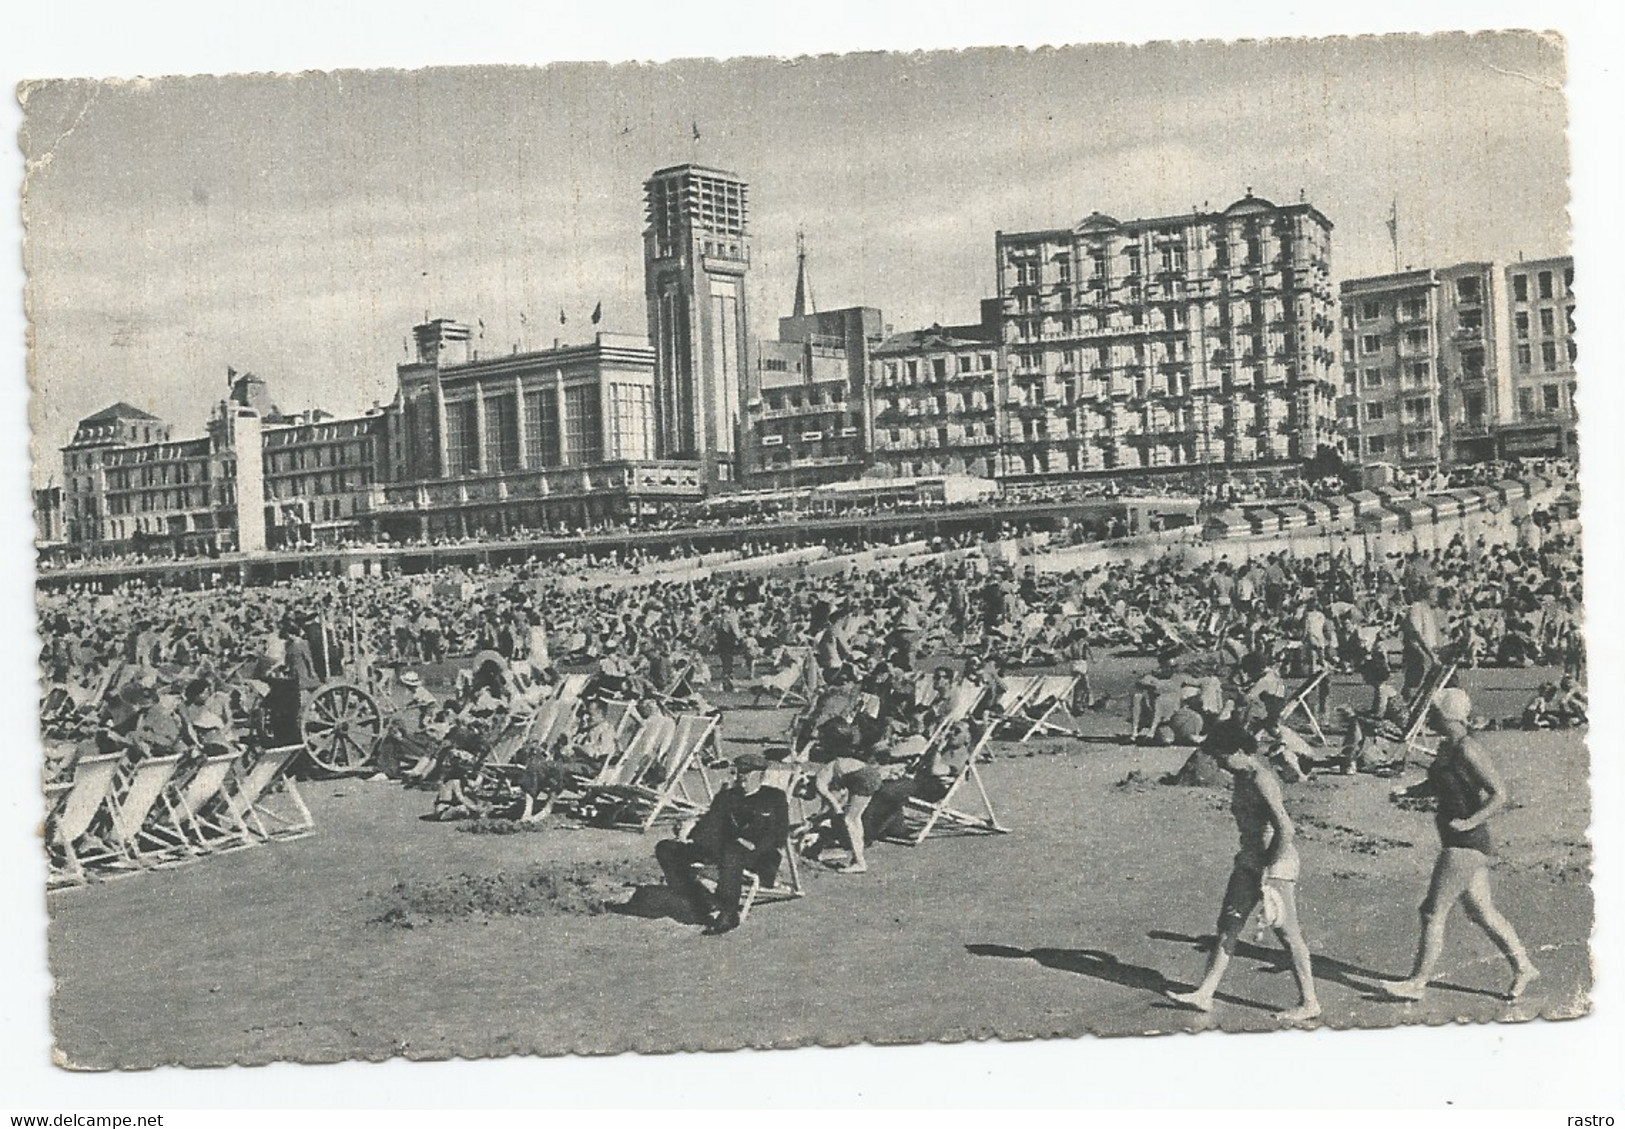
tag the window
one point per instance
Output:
(1467, 289)
(1421, 372)
(1370, 311)
(583, 433)
(1548, 355)
(1526, 403)
(1376, 445)
(1520, 324)
(1470, 320)
(1416, 308)
(1373, 413)
(1417, 407)
(939, 368)
(1548, 323)
(1525, 357)
(1373, 378)
(1370, 343)
(501, 433)
(1520, 288)
(1544, 283)
(1551, 398)
(462, 438)
(541, 429)
(1416, 340)
(964, 363)
(631, 421)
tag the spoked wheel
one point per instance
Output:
(341, 726)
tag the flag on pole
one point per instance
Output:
(231, 376)
(696, 131)
(522, 319)
(598, 313)
(562, 318)
(482, 327)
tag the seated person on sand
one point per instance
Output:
(1186, 725)
(451, 800)
(546, 774)
(1370, 736)
(1556, 706)
(409, 747)
(1156, 696)
(744, 829)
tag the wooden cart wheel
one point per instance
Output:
(341, 726)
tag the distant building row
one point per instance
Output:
(1211, 339)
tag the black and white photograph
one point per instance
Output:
(769, 552)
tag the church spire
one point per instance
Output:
(804, 303)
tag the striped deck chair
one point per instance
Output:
(1299, 700)
(130, 807)
(513, 737)
(943, 810)
(962, 702)
(264, 797)
(77, 804)
(192, 816)
(1416, 719)
(648, 780)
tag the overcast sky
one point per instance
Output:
(299, 227)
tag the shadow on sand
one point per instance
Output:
(1101, 965)
(1328, 969)
(654, 902)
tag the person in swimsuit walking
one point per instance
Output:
(1265, 869)
(1467, 788)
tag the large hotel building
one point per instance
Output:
(1191, 340)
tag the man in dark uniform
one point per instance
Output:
(744, 829)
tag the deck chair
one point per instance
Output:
(1051, 692)
(77, 804)
(786, 886)
(1416, 719)
(943, 810)
(789, 685)
(1298, 700)
(647, 781)
(962, 703)
(513, 737)
(571, 687)
(192, 816)
(264, 797)
(129, 808)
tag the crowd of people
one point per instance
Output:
(901, 669)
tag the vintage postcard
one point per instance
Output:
(778, 552)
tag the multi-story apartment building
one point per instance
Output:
(1540, 310)
(1204, 338)
(934, 401)
(804, 402)
(48, 528)
(1390, 402)
(696, 253)
(84, 490)
(1473, 361)
(1459, 364)
(321, 476)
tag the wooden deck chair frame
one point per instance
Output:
(1057, 690)
(790, 683)
(1299, 701)
(675, 756)
(130, 808)
(252, 790)
(787, 887)
(192, 817)
(1018, 691)
(1417, 719)
(513, 737)
(943, 809)
(72, 817)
